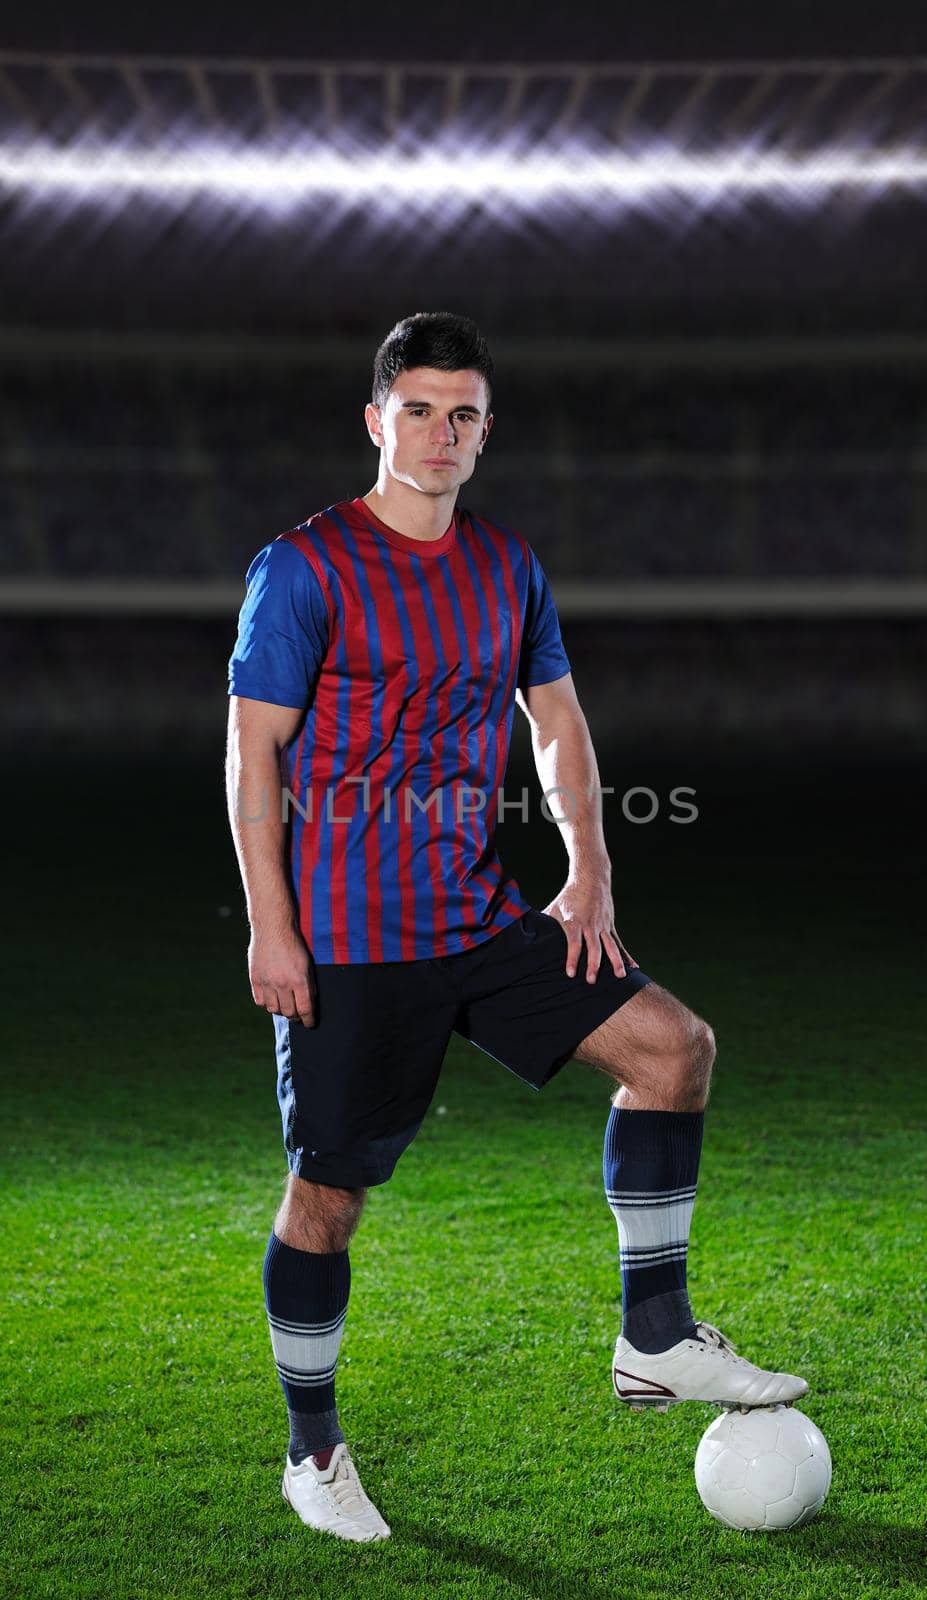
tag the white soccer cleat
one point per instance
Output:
(332, 1498)
(707, 1368)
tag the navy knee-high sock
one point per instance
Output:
(306, 1295)
(650, 1168)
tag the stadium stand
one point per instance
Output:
(710, 423)
(180, 469)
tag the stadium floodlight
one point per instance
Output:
(434, 179)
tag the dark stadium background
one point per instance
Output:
(711, 423)
(732, 397)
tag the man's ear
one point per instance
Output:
(374, 425)
(486, 427)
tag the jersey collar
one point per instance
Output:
(362, 513)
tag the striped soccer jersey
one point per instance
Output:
(405, 654)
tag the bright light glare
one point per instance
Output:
(282, 179)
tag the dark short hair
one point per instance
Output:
(438, 339)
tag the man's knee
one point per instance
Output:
(318, 1216)
(657, 1049)
(685, 1048)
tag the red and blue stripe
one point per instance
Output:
(416, 690)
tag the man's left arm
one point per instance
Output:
(566, 766)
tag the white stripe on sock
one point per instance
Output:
(306, 1354)
(649, 1258)
(654, 1226)
(307, 1380)
(660, 1197)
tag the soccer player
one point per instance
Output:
(382, 647)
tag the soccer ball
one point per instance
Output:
(764, 1469)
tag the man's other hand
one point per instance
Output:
(281, 976)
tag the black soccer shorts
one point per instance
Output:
(353, 1090)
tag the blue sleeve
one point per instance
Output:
(543, 657)
(282, 629)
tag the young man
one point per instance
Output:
(382, 647)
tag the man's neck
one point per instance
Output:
(408, 511)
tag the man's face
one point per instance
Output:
(432, 427)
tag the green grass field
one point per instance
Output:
(143, 1428)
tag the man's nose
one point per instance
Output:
(443, 432)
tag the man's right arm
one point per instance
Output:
(279, 964)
